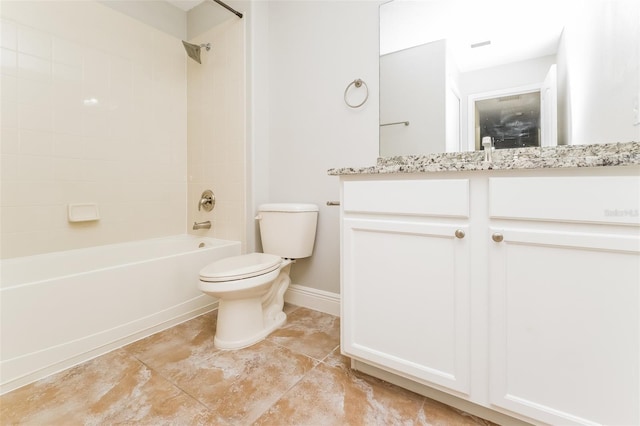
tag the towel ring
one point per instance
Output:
(357, 83)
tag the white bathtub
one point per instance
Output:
(60, 309)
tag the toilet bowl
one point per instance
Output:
(251, 287)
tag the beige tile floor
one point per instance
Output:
(176, 377)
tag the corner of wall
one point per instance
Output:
(158, 14)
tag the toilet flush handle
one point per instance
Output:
(258, 217)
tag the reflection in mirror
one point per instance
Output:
(558, 71)
(511, 121)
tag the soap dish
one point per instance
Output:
(83, 212)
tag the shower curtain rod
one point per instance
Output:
(238, 14)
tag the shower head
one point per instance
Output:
(193, 50)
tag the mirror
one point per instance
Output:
(521, 72)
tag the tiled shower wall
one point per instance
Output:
(94, 110)
(217, 131)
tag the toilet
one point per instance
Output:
(251, 287)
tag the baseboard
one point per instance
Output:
(318, 300)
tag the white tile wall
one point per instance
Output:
(216, 131)
(94, 109)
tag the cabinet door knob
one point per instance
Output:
(459, 233)
(497, 237)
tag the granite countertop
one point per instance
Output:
(566, 156)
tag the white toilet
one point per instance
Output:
(251, 287)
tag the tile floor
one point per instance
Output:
(176, 377)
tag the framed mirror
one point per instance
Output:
(522, 72)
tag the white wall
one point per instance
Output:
(562, 80)
(413, 87)
(315, 49)
(516, 74)
(216, 132)
(601, 72)
(125, 151)
(159, 14)
(257, 117)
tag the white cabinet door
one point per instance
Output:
(405, 299)
(564, 326)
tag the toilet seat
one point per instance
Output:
(240, 267)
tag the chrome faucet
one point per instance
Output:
(207, 201)
(487, 144)
(201, 225)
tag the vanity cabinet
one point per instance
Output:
(405, 297)
(534, 313)
(564, 279)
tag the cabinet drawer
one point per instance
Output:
(448, 197)
(608, 199)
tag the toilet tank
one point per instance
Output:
(287, 229)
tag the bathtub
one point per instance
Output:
(61, 309)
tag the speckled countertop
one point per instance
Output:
(597, 155)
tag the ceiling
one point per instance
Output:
(508, 30)
(185, 5)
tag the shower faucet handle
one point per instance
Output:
(207, 201)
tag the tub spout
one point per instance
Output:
(202, 225)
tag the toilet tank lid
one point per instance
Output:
(288, 207)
